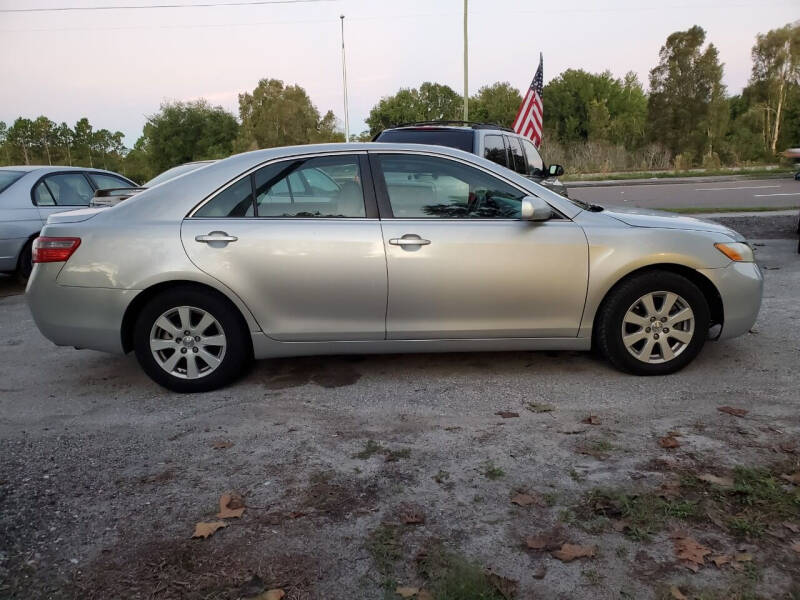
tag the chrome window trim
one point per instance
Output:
(255, 168)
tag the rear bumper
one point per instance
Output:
(77, 316)
(741, 286)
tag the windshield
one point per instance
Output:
(9, 177)
(174, 172)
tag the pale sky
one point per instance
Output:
(116, 66)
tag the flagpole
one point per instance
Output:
(466, 67)
(344, 85)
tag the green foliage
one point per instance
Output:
(451, 576)
(497, 103)
(493, 472)
(432, 101)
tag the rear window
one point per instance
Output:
(461, 139)
(9, 177)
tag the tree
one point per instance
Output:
(182, 132)
(21, 137)
(776, 66)
(497, 104)
(686, 108)
(431, 102)
(282, 115)
(4, 142)
(83, 137)
(64, 139)
(43, 137)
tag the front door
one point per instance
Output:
(462, 264)
(296, 242)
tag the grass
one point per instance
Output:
(693, 210)
(493, 472)
(371, 448)
(539, 408)
(451, 576)
(745, 171)
(384, 546)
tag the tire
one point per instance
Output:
(657, 353)
(25, 263)
(220, 356)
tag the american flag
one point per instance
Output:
(529, 117)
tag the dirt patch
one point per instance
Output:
(337, 497)
(333, 372)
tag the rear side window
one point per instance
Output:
(234, 201)
(42, 196)
(461, 139)
(68, 189)
(517, 157)
(535, 162)
(104, 181)
(495, 150)
(9, 177)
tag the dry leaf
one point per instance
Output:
(506, 587)
(795, 547)
(688, 549)
(721, 560)
(275, 594)
(793, 478)
(523, 499)
(792, 527)
(668, 442)
(676, 593)
(536, 542)
(507, 414)
(743, 557)
(231, 506)
(548, 540)
(406, 592)
(569, 552)
(413, 517)
(591, 420)
(720, 481)
(204, 530)
(221, 444)
(736, 412)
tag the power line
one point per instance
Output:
(148, 6)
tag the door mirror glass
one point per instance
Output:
(535, 209)
(555, 170)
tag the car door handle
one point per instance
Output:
(215, 236)
(409, 241)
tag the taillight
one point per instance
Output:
(54, 249)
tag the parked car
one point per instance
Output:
(29, 194)
(112, 196)
(498, 144)
(363, 248)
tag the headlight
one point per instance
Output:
(736, 251)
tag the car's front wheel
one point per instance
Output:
(191, 340)
(653, 324)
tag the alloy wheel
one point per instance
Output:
(187, 342)
(658, 327)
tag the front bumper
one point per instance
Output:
(740, 286)
(83, 317)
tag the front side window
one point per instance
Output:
(517, 158)
(495, 150)
(428, 187)
(104, 181)
(68, 189)
(535, 162)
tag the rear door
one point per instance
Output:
(299, 241)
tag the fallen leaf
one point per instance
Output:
(231, 506)
(547, 540)
(275, 594)
(507, 587)
(795, 547)
(221, 444)
(676, 593)
(690, 550)
(668, 442)
(713, 479)
(736, 412)
(204, 530)
(507, 414)
(413, 518)
(792, 527)
(743, 557)
(591, 420)
(721, 560)
(536, 542)
(793, 478)
(570, 552)
(523, 499)
(407, 592)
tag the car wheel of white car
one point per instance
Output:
(653, 324)
(190, 340)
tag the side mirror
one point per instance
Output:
(555, 170)
(535, 209)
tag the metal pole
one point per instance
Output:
(466, 67)
(344, 84)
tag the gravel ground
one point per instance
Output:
(103, 475)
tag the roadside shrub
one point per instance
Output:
(684, 161)
(711, 161)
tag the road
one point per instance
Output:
(103, 474)
(777, 193)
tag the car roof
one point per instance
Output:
(459, 125)
(51, 168)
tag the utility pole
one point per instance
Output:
(344, 85)
(466, 67)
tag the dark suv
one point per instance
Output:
(498, 144)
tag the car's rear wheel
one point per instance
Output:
(25, 264)
(653, 324)
(191, 340)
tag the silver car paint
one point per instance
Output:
(141, 242)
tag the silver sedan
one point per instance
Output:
(365, 248)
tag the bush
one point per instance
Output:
(711, 161)
(684, 161)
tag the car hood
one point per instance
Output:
(74, 216)
(642, 217)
